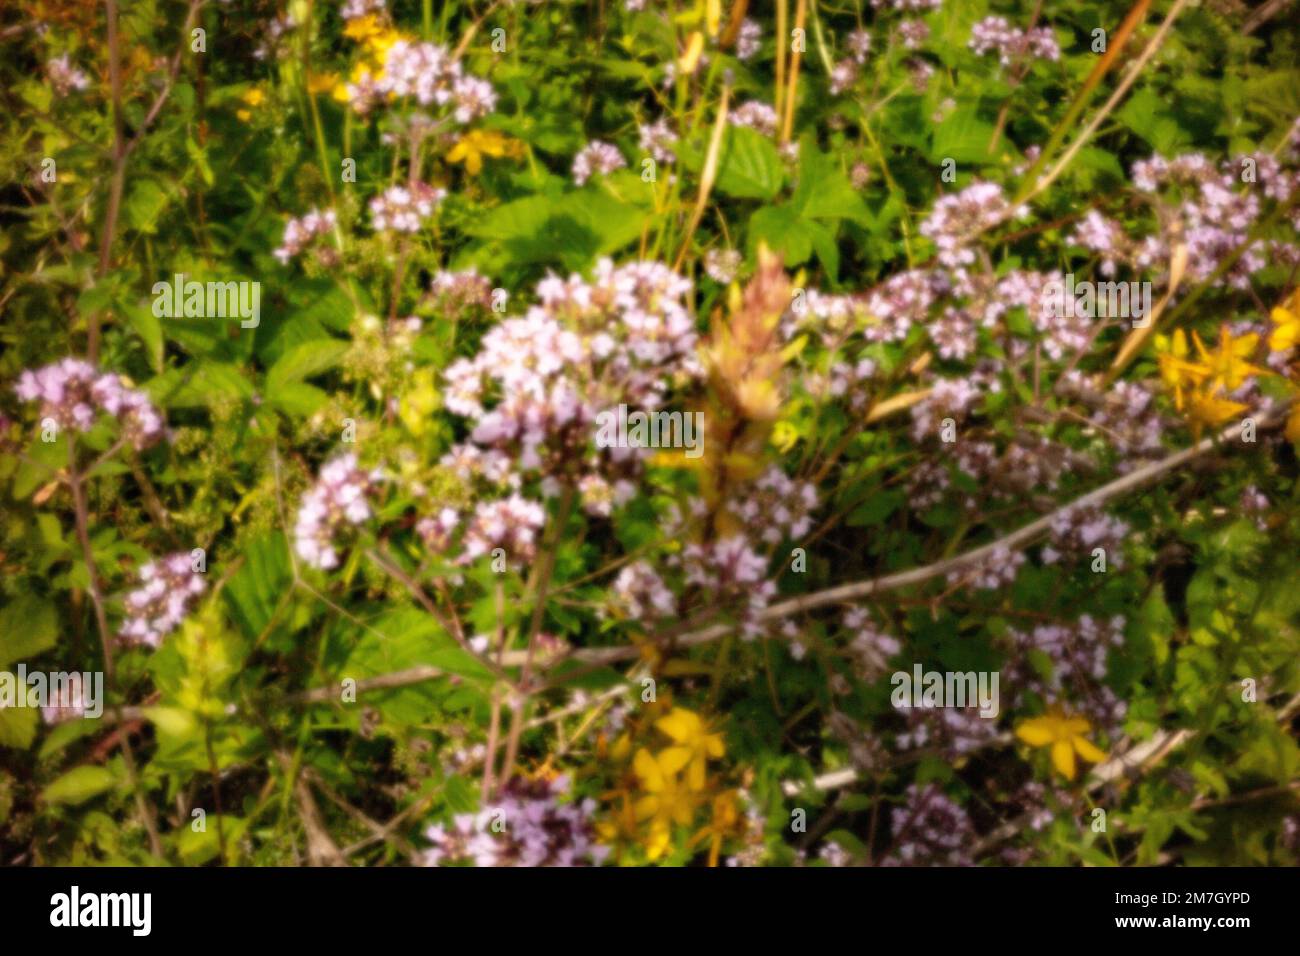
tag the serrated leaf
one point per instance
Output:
(301, 362)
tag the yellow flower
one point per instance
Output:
(377, 45)
(620, 825)
(322, 82)
(254, 97)
(1211, 408)
(1227, 365)
(1065, 735)
(692, 736)
(1286, 319)
(1177, 372)
(363, 28)
(474, 145)
(361, 74)
(724, 822)
(1293, 425)
(666, 801)
(374, 35)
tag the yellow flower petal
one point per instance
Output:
(1036, 732)
(695, 775)
(1085, 749)
(647, 768)
(672, 760)
(681, 725)
(1293, 426)
(1063, 758)
(646, 807)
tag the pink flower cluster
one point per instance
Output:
(355, 9)
(454, 294)
(428, 74)
(404, 208)
(997, 569)
(756, 115)
(657, 139)
(64, 77)
(730, 571)
(1076, 532)
(956, 220)
(778, 505)
(340, 497)
(930, 829)
(869, 649)
(166, 592)
(642, 594)
(749, 39)
(951, 731)
(914, 33)
(527, 826)
(511, 524)
(917, 5)
(1078, 655)
(623, 337)
(596, 159)
(845, 73)
(1216, 208)
(298, 233)
(74, 394)
(996, 35)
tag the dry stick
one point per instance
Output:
(736, 21)
(1013, 541)
(376, 828)
(1262, 15)
(782, 14)
(1117, 43)
(796, 58)
(1037, 186)
(447, 624)
(106, 640)
(707, 175)
(1136, 760)
(836, 595)
(494, 722)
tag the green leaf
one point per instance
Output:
(824, 191)
(571, 229)
(298, 399)
(28, 626)
(255, 590)
(199, 385)
(963, 136)
(304, 361)
(18, 726)
(144, 205)
(147, 326)
(79, 785)
(408, 638)
(197, 847)
(749, 166)
(784, 231)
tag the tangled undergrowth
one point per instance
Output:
(620, 433)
